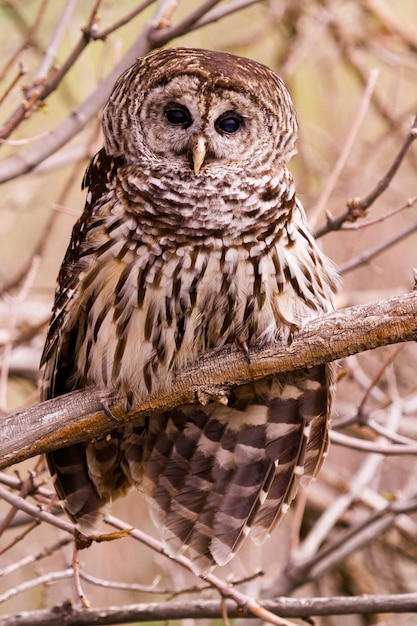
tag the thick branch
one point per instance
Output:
(79, 415)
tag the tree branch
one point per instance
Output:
(71, 615)
(80, 415)
(357, 207)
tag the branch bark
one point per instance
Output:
(80, 415)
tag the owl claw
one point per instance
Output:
(108, 412)
(243, 346)
(84, 541)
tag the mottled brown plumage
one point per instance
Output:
(192, 238)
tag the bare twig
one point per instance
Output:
(362, 445)
(102, 33)
(33, 558)
(150, 37)
(247, 605)
(377, 376)
(34, 511)
(214, 15)
(51, 49)
(357, 207)
(382, 218)
(21, 72)
(49, 578)
(27, 39)
(369, 254)
(160, 36)
(343, 157)
(42, 86)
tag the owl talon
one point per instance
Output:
(81, 541)
(108, 412)
(243, 347)
(207, 395)
(117, 534)
(84, 541)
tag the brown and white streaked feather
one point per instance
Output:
(168, 262)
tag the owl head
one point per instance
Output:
(197, 111)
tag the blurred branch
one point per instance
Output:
(384, 13)
(344, 154)
(362, 445)
(30, 32)
(39, 249)
(381, 218)
(300, 570)
(155, 33)
(357, 483)
(79, 415)
(357, 207)
(71, 615)
(242, 605)
(7, 348)
(51, 49)
(349, 52)
(371, 253)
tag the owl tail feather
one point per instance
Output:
(77, 493)
(87, 477)
(214, 473)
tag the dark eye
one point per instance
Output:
(228, 123)
(178, 115)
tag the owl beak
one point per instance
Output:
(198, 152)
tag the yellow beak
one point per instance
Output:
(198, 152)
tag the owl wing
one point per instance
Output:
(214, 473)
(70, 467)
(58, 354)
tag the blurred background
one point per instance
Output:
(351, 67)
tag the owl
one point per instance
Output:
(192, 239)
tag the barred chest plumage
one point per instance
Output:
(160, 287)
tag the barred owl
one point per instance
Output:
(191, 239)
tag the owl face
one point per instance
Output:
(188, 122)
(199, 111)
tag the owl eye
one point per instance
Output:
(178, 115)
(228, 123)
